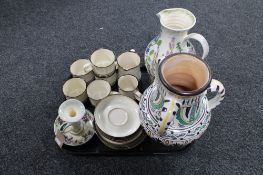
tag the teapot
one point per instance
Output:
(175, 109)
(174, 37)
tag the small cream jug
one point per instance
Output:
(174, 37)
(175, 109)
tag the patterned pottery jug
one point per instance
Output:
(175, 108)
(174, 37)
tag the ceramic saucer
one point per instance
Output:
(121, 143)
(117, 116)
(83, 137)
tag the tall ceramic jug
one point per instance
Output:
(175, 109)
(174, 37)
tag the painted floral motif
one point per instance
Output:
(149, 114)
(171, 47)
(151, 52)
(178, 46)
(162, 46)
(83, 137)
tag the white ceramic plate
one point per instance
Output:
(117, 116)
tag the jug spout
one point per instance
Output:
(177, 19)
(161, 13)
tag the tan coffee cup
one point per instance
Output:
(110, 79)
(129, 64)
(75, 88)
(128, 86)
(103, 62)
(82, 68)
(98, 90)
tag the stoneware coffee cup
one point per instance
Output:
(75, 88)
(128, 86)
(129, 63)
(103, 62)
(98, 90)
(82, 68)
(110, 79)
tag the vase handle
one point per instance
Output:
(201, 40)
(169, 111)
(218, 87)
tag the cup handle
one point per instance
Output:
(87, 67)
(133, 50)
(137, 95)
(114, 93)
(169, 111)
(201, 40)
(218, 87)
(116, 65)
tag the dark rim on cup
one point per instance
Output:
(131, 90)
(79, 94)
(105, 76)
(98, 99)
(176, 91)
(139, 65)
(114, 60)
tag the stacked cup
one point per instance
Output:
(104, 66)
(116, 117)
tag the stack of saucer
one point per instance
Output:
(117, 122)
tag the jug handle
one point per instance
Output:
(201, 40)
(169, 111)
(218, 87)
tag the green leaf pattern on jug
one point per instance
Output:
(178, 46)
(156, 101)
(152, 51)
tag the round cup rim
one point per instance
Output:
(113, 62)
(103, 97)
(132, 67)
(84, 71)
(130, 90)
(77, 95)
(184, 93)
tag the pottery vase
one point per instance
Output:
(173, 38)
(177, 117)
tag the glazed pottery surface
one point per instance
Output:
(122, 143)
(82, 68)
(84, 136)
(117, 116)
(128, 86)
(174, 37)
(103, 62)
(179, 117)
(110, 79)
(129, 63)
(98, 90)
(75, 88)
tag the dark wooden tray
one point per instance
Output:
(96, 147)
